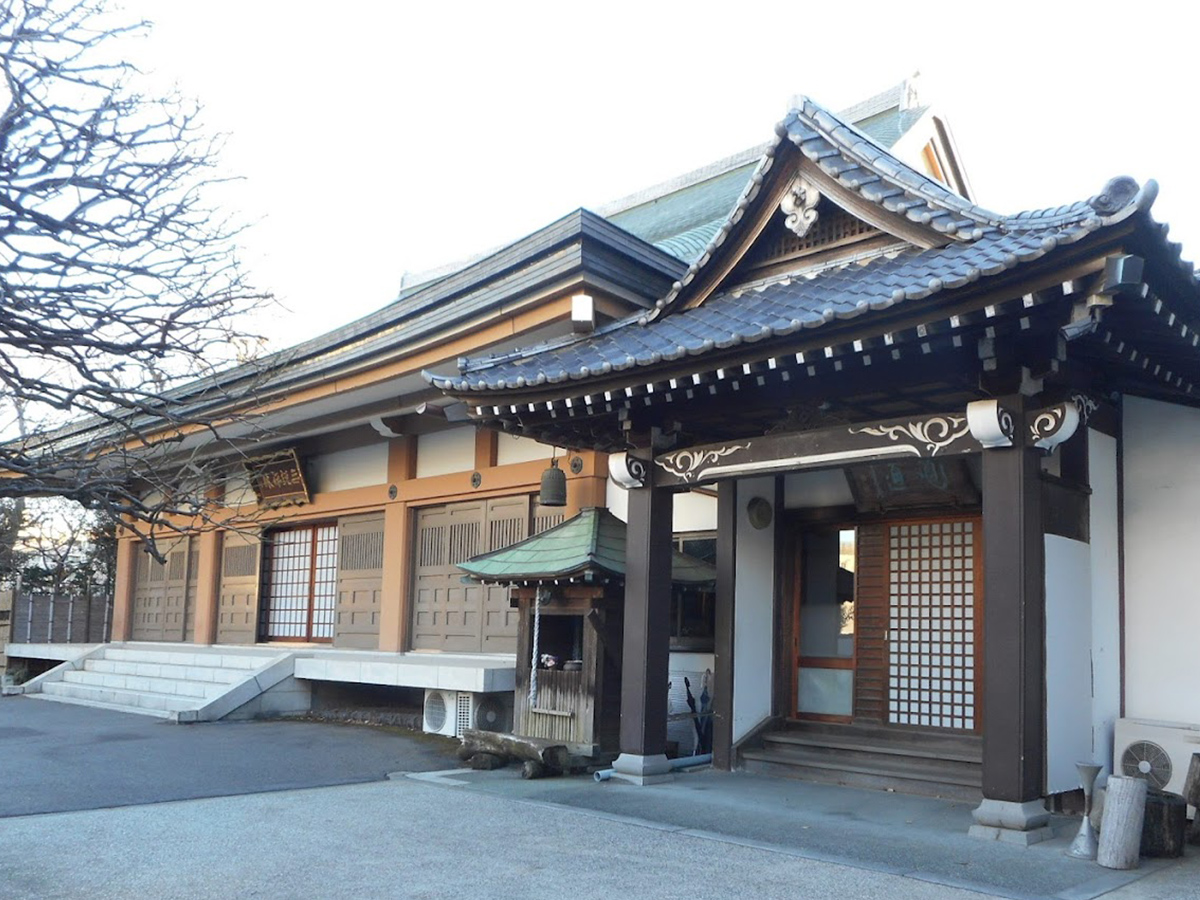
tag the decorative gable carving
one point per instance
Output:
(799, 204)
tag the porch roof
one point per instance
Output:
(591, 544)
(966, 245)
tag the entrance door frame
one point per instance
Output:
(836, 518)
(821, 662)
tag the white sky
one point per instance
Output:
(383, 138)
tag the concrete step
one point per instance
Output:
(132, 701)
(881, 777)
(211, 674)
(173, 686)
(214, 658)
(851, 747)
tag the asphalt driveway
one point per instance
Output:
(57, 758)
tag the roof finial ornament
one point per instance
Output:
(1119, 192)
(799, 204)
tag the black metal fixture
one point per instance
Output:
(554, 485)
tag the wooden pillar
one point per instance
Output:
(395, 608)
(1014, 620)
(122, 615)
(725, 625)
(647, 637)
(208, 586)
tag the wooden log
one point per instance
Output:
(1124, 812)
(1164, 825)
(533, 769)
(1191, 786)
(485, 762)
(552, 755)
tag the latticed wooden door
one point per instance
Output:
(448, 614)
(300, 594)
(933, 627)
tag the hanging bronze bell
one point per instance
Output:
(554, 486)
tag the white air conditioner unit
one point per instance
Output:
(441, 712)
(1160, 752)
(452, 712)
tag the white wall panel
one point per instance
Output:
(343, 470)
(1106, 596)
(444, 452)
(1162, 538)
(512, 448)
(808, 490)
(1068, 661)
(690, 512)
(754, 595)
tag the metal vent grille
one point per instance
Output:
(1146, 759)
(435, 712)
(463, 713)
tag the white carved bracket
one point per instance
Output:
(1050, 427)
(991, 424)
(627, 471)
(799, 204)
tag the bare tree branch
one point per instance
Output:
(119, 283)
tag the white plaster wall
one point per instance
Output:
(1162, 539)
(694, 512)
(1068, 662)
(1106, 597)
(443, 452)
(512, 448)
(754, 592)
(824, 487)
(689, 512)
(238, 491)
(343, 470)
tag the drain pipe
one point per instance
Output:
(684, 762)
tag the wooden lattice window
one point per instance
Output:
(301, 589)
(239, 561)
(931, 633)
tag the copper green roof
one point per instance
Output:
(589, 544)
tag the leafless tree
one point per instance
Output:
(120, 286)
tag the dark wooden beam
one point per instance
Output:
(944, 434)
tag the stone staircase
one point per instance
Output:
(182, 683)
(908, 761)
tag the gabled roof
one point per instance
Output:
(963, 244)
(589, 546)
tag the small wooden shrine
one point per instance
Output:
(569, 583)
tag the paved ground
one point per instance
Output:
(58, 757)
(489, 834)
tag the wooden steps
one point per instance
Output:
(928, 763)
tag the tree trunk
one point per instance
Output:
(1165, 824)
(1124, 812)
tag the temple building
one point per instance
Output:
(942, 458)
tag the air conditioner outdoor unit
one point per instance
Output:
(1160, 752)
(452, 712)
(491, 712)
(441, 712)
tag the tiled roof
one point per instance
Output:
(591, 543)
(980, 245)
